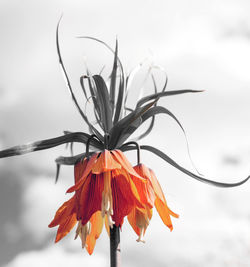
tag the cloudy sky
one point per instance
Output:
(202, 45)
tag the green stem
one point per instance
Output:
(115, 249)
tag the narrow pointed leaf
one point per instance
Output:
(162, 94)
(119, 102)
(70, 160)
(92, 90)
(49, 143)
(113, 79)
(120, 127)
(83, 87)
(103, 97)
(151, 125)
(69, 84)
(166, 158)
(106, 45)
(57, 172)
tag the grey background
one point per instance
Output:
(202, 45)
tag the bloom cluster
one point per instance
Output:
(107, 189)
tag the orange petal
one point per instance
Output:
(132, 221)
(156, 186)
(105, 162)
(124, 194)
(145, 190)
(96, 221)
(165, 213)
(65, 227)
(139, 219)
(63, 212)
(120, 157)
(79, 169)
(91, 197)
(132, 186)
(107, 225)
(86, 172)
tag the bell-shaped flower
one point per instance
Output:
(139, 218)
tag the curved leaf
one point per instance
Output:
(113, 78)
(83, 87)
(70, 160)
(92, 89)
(120, 129)
(49, 143)
(162, 94)
(166, 158)
(119, 101)
(103, 97)
(69, 84)
(151, 125)
(105, 44)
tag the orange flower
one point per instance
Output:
(139, 218)
(104, 187)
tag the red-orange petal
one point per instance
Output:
(161, 203)
(125, 195)
(79, 169)
(78, 172)
(105, 162)
(145, 190)
(96, 221)
(165, 213)
(67, 209)
(65, 227)
(139, 217)
(156, 186)
(86, 172)
(91, 197)
(132, 221)
(121, 159)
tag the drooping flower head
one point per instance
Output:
(139, 218)
(104, 187)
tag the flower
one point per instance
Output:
(139, 218)
(104, 188)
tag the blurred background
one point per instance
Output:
(202, 45)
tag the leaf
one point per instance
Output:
(49, 143)
(161, 110)
(150, 112)
(151, 125)
(70, 160)
(92, 90)
(83, 87)
(69, 84)
(120, 129)
(129, 80)
(113, 79)
(120, 101)
(71, 148)
(162, 155)
(148, 131)
(167, 93)
(106, 45)
(103, 97)
(57, 172)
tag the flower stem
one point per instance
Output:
(115, 250)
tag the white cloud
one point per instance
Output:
(41, 199)
(57, 256)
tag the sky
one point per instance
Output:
(202, 45)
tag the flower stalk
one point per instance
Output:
(115, 249)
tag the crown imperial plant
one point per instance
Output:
(107, 188)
